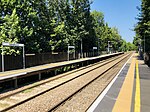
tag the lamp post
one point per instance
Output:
(81, 49)
(68, 52)
(2, 59)
(108, 47)
(144, 43)
(98, 47)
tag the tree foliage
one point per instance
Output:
(143, 26)
(46, 25)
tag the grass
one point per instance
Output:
(27, 91)
(3, 105)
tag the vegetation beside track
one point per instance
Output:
(50, 25)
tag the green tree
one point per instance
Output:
(9, 29)
(81, 24)
(99, 27)
(104, 33)
(61, 24)
(34, 21)
(41, 24)
(143, 26)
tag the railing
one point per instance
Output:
(16, 62)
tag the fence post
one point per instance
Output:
(2, 59)
(39, 76)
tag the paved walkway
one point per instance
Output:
(128, 92)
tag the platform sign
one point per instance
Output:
(12, 45)
(94, 47)
(71, 47)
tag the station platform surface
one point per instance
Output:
(38, 69)
(129, 91)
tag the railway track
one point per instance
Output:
(82, 99)
(10, 101)
(105, 75)
(13, 92)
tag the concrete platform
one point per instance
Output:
(144, 72)
(52, 66)
(128, 92)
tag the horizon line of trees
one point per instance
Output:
(142, 28)
(47, 25)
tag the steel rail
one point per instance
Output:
(84, 86)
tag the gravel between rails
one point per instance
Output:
(50, 98)
(82, 101)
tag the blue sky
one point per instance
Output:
(120, 14)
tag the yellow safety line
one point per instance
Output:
(137, 92)
(123, 102)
